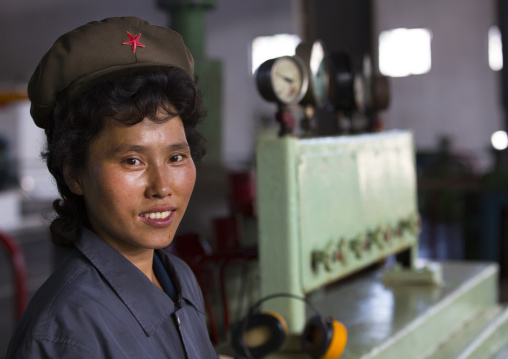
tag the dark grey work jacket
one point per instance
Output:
(97, 304)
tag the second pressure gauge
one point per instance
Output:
(314, 56)
(283, 80)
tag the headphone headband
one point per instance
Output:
(256, 305)
(282, 295)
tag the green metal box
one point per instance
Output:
(329, 207)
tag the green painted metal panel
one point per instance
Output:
(410, 321)
(413, 321)
(278, 218)
(453, 345)
(349, 188)
(326, 206)
(448, 316)
(490, 341)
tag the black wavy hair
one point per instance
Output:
(128, 99)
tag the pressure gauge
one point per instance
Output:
(380, 92)
(283, 80)
(315, 58)
(360, 97)
(347, 88)
(375, 88)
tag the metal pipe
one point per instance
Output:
(188, 19)
(19, 268)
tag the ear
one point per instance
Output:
(72, 180)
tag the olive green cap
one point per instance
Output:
(99, 50)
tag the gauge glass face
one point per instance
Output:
(319, 73)
(320, 83)
(287, 79)
(316, 57)
(359, 92)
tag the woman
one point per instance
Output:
(117, 101)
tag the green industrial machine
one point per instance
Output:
(329, 207)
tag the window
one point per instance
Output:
(499, 140)
(495, 49)
(404, 52)
(269, 47)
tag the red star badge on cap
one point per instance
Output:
(133, 41)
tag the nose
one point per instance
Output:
(159, 182)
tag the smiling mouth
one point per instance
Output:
(157, 215)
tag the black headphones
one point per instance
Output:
(323, 338)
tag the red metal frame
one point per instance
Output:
(19, 269)
(242, 257)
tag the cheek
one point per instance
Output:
(113, 187)
(185, 181)
(126, 188)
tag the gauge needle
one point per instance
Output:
(287, 79)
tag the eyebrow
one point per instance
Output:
(138, 148)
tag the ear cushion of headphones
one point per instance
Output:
(339, 341)
(274, 330)
(324, 339)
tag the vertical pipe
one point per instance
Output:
(188, 19)
(19, 268)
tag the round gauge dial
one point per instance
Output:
(314, 56)
(359, 92)
(283, 80)
(380, 92)
(348, 87)
(287, 79)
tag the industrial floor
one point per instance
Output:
(38, 251)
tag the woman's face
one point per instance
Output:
(137, 183)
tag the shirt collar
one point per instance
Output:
(148, 304)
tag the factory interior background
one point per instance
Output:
(453, 107)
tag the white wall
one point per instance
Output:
(30, 27)
(460, 96)
(231, 29)
(25, 143)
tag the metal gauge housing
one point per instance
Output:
(380, 92)
(283, 80)
(360, 97)
(347, 88)
(315, 58)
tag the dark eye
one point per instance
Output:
(132, 161)
(176, 158)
